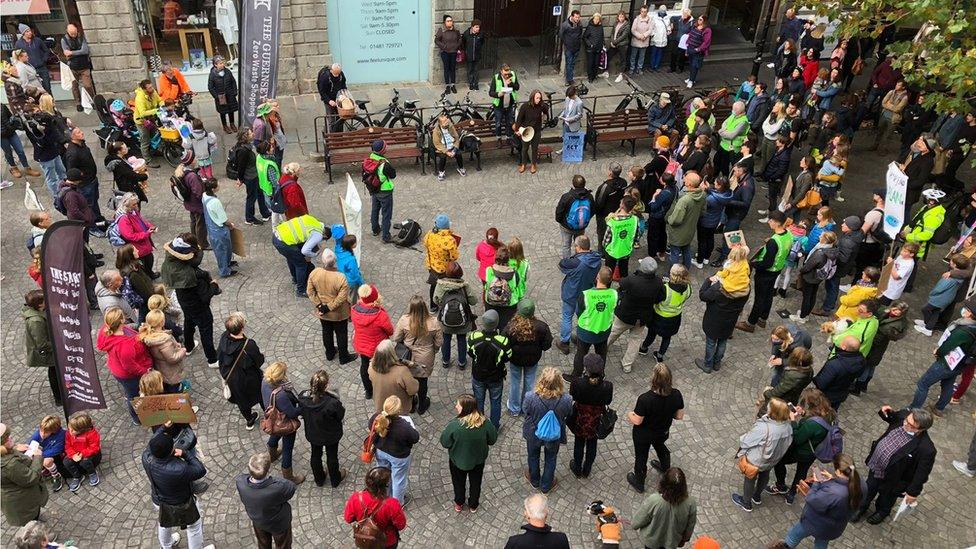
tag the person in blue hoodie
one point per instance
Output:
(50, 437)
(943, 294)
(716, 198)
(579, 273)
(346, 262)
(829, 503)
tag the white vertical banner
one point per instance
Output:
(895, 195)
(352, 216)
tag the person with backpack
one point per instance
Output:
(682, 219)
(419, 333)
(812, 421)
(546, 409)
(821, 264)
(489, 351)
(377, 519)
(187, 186)
(607, 199)
(371, 325)
(767, 264)
(573, 213)
(529, 338)
(618, 244)
(579, 274)
(872, 249)
(269, 176)
(653, 414)
(596, 306)
(467, 439)
(592, 395)
(378, 176)
(840, 371)
(297, 241)
(501, 286)
(454, 298)
(717, 196)
(265, 500)
(292, 195)
(923, 226)
(892, 326)
(955, 350)
(441, 247)
(242, 167)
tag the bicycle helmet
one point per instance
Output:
(933, 194)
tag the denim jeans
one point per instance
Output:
(90, 192)
(462, 348)
(254, 197)
(384, 202)
(939, 373)
(656, 55)
(566, 322)
(449, 60)
(566, 241)
(130, 388)
(504, 117)
(798, 533)
(535, 447)
(637, 58)
(695, 61)
(54, 174)
(399, 469)
(194, 533)
(298, 265)
(287, 447)
(570, 64)
(831, 292)
(680, 254)
(222, 249)
(13, 145)
(520, 380)
(714, 351)
(494, 390)
(45, 75)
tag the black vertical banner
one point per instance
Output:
(260, 36)
(63, 269)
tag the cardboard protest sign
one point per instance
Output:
(158, 409)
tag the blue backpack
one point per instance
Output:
(549, 429)
(130, 295)
(832, 444)
(580, 212)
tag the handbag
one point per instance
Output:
(275, 422)
(221, 98)
(366, 534)
(810, 199)
(368, 451)
(749, 470)
(857, 67)
(223, 380)
(404, 354)
(941, 159)
(606, 424)
(460, 57)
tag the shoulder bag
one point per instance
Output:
(275, 422)
(368, 451)
(223, 380)
(748, 469)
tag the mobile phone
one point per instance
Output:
(791, 407)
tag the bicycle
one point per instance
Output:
(397, 116)
(640, 96)
(719, 100)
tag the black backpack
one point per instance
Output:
(408, 233)
(180, 188)
(59, 201)
(454, 311)
(233, 170)
(950, 223)
(877, 232)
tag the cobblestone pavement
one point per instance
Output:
(719, 407)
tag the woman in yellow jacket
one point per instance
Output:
(442, 249)
(866, 288)
(146, 104)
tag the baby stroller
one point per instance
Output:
(116, 126)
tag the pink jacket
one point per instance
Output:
(485, 254)
(135, 230)
(128, 358)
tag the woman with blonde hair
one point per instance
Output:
(420, 333)
(783, 341)
(548, 396)
(151, 384)
(529, 338)
(390, 377)
(128, 358)
(167, 353)
(277, 391)
(467, 438)
(240, 359)
(291, 191)
(667, 311)
(760, 449)
(393, 438)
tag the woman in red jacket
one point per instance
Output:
(128, 358)
(82, 450)
(291, 192)
(810, 61)
(386, 511)
(371, 324)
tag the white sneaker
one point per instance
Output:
(687, 81)
(462, 171)
(697, 264)
(690, 84)
(797, 319)
(961, 467)
(176, 538)
(440, 176)
(195, 408)
(705, 262)
(763, 220)
(6, 184)
(923, 330)
(628, 368)
(619, 78)
(770, 65)
(762, 212)
(845, 288)
(605, 74)
(919, 322)
(838, 197)
(213, 365)
(560, 151)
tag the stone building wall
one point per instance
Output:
(115, 54)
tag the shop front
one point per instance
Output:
(49, 19)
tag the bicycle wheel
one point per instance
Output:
(173, 153)
(406, 121)
(353, 124)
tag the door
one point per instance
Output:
(549, 44)
(489, 13)
(381, 40)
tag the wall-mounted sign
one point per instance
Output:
(381, 40)
(557, 10)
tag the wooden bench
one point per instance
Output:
(626, 125)
(353, 147)
(484, 130)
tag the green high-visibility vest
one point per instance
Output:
(268, 173)
(297, 230)
(731, 122)
(598, 306)
(499, 84)
(622, 233)
(783, 241)
(673, 302)
(386, 184)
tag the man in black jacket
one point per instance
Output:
(537, 533)
(839, 373)
(918, 167)
(329, 82)
(607, 199)
(265, 499)
(79, 156)
(571, 36)
(473, 42)
(899, 462)
(573, 213)
(634, 312)
(489, 352)
(171, 473)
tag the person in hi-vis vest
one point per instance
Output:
(596, 307)
(297, 240)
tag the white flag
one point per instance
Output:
(352, 215)
(67, 77)
(86, 101)
(30, 199)
(895, 196)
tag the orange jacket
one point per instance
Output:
(170, 90)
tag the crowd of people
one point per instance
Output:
(698, 185)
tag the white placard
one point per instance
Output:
(894, 212)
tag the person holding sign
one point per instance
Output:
(955, 348)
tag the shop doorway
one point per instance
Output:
(522, 33)
(744, 16)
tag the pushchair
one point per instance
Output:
(110, 129)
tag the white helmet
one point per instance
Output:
(933, 194)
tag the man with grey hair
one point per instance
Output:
(328, 290)
(108, 292)
(732, 133)
(330, 81)
(899, 462)
(265, 499)
(637, 297)
(537, 532)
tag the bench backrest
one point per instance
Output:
(626, 119)
(364, 138)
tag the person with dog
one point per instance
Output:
(667, 518)
(652, 417)
(537, 532)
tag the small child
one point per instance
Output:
(167, 114)
(164, 299)
(734, 275)
(831, 173)
(202, 142)
(485, 252)
(83, 450)
(943, 294)
(901, 272)
(799, 232)
(866, 288)
(746, 89)
(347, 264)
(50, 437)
